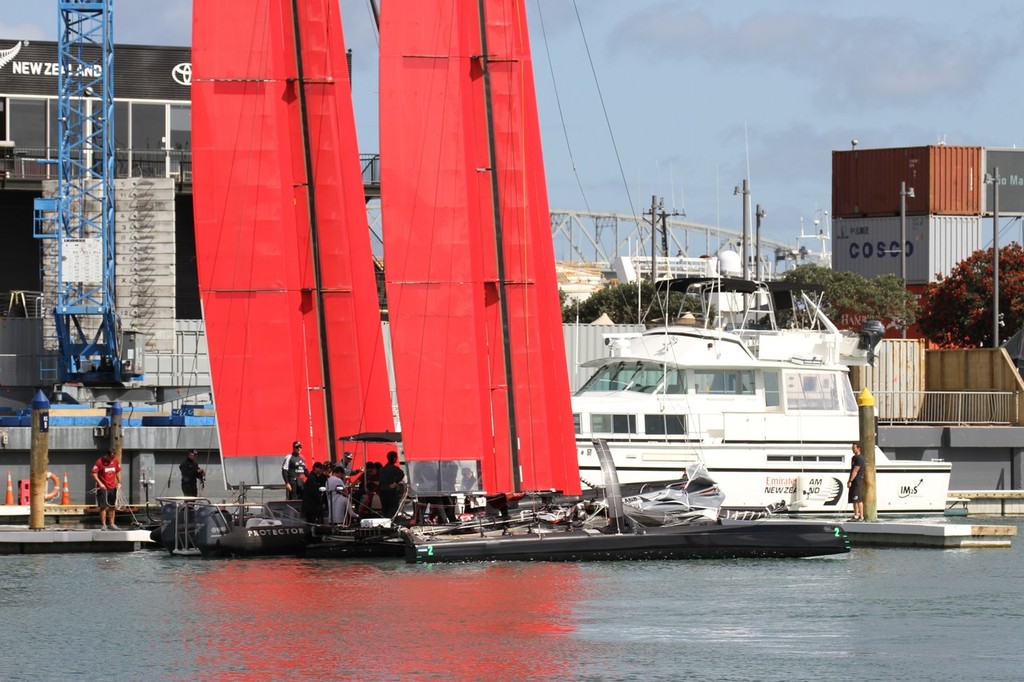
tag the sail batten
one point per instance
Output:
(451, 300)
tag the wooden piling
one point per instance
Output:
(40, 459)
(866, 405)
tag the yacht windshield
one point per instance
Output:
(634, 375)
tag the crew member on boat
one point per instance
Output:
(390, 479)
(191, 474)
(293, 471)
(338, 502)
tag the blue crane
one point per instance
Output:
(93, 349)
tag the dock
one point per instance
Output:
(21, 540)
(936, 535)
(990, 502)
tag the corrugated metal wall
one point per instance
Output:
(586, 342)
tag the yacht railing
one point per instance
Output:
(947, 407)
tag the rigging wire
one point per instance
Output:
(558, 103)
(604, 109)
(611, 134)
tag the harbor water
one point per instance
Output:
(875, 614)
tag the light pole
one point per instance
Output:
(746, 225)
(904, 193)
(759, 213)
(994, 179)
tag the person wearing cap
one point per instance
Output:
(191, 474)
(346, 463)
(293, 471)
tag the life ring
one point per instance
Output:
(52, 495)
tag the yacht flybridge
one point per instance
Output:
(756, 388)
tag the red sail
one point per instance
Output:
(268, 260)
(440, 236)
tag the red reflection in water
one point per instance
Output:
(283, 619)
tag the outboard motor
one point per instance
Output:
(871, 333)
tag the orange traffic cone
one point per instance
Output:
(65, 496)
(10, 490)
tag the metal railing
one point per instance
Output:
(39, 163)
(947, 407)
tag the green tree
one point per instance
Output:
(850, 295)
(621, 304)
(957, 309)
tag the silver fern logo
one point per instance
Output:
(8, 55)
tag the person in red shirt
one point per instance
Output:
(107, 474)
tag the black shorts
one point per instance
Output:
(105, 497)
(856, 491)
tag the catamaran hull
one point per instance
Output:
(811, 479)
(705, 541)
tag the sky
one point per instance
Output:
(685, 99)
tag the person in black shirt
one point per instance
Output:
(313, 496)
(191, 474)
(293, 471)
(390, 480)
(856, 483)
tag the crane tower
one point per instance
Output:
(93, 349)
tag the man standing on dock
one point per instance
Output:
(107, 474)
(856, 483)
(191, 474)
(293, 471)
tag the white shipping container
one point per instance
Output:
(935, 244)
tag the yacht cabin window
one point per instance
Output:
(846, 391)
(665, 424)
(724, 382)
(641, 377)
(811, 391)
(613, 423)
(772, 395)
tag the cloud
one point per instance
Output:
(859, 61)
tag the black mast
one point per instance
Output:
(314, 231)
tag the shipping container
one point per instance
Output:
(1010, 163)
(935, 244)
(946, 181)
(897, 379)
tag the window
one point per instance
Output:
(613, 423)
(772, 398)
(849, 401)
(28, 123)
(148, 127)
(577, 422)
(811, 391)
(665, 424)
(724, 382)
(640, 377)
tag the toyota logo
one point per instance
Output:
(182, 73)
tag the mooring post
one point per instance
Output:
(40, 460)
(116, 434)
(866, 405)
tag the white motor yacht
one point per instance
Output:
(756, 387)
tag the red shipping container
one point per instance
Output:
(946, 181)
